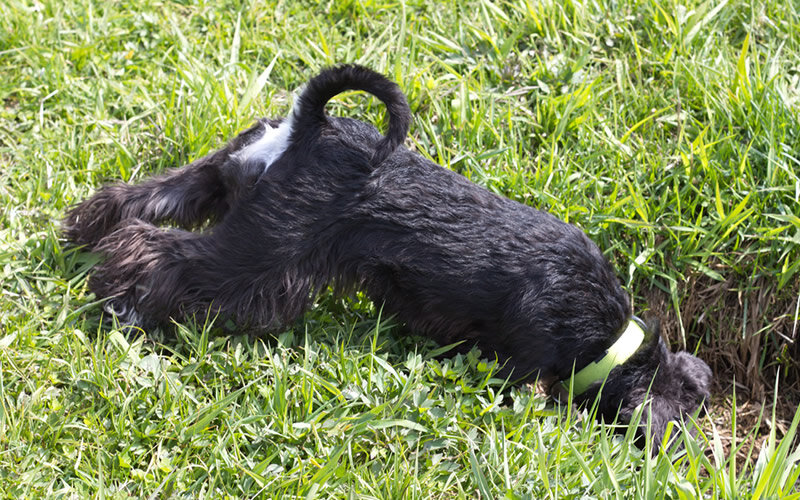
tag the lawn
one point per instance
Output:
(669, 132)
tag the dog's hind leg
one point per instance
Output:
(152, 275)
(187, 197)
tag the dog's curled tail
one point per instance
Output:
(309, 111)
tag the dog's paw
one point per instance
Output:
(135, 255)
(132, 253)
(92, 220)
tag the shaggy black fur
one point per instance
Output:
(343, 205)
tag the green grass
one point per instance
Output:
(670, 133)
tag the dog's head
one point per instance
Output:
(663, 385)
(680, 387)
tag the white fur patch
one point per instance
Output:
(269, 147)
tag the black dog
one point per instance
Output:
(310, 201)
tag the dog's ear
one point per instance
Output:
(654, 421)
(681, 388)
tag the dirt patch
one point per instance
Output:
(754, 422)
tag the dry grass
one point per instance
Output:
(748, 332)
